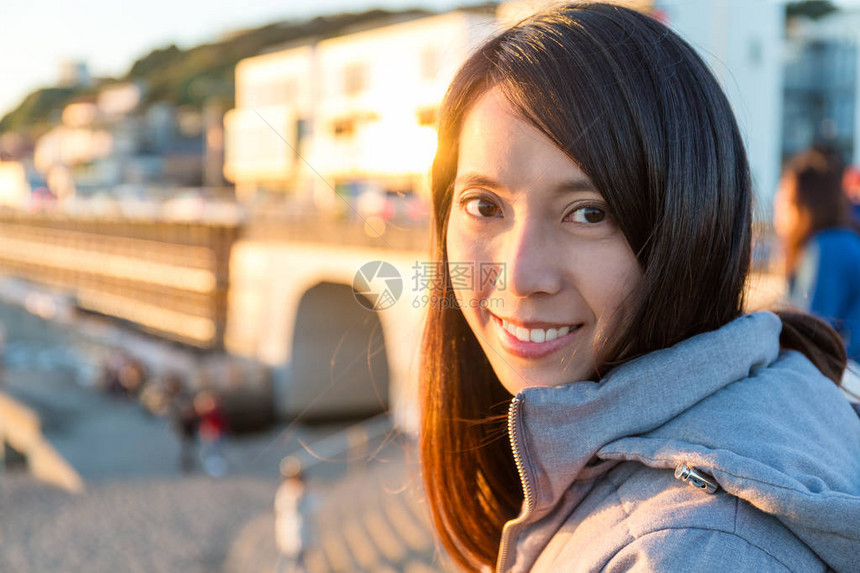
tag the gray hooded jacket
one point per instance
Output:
(597, 463)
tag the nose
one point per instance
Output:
(533, 264)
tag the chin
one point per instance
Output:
(514, 382)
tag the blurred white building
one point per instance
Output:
(119, 100)
(14, 187)
(354, 113)
(74, 73)
(266, 132)
(110, 143)
(77, 141)
(96, 136)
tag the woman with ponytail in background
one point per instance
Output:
(602, 403)
(813, 219)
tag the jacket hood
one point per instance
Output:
(767, 425)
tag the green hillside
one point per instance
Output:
(190, 76)
(34, 113)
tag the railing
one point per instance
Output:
(347, 228)
(168, 277)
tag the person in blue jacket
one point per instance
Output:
(822, 248)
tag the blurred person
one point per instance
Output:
(812, 218)
(211, 429)
(291, 510)
(568, 409)
(131, 376)
(184, 419)
(155, 396)
(109, 380)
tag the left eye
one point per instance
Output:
(479, 207)
(588, 215)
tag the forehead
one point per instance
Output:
(498, 143)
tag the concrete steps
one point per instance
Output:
(21, 430)
(374, 520)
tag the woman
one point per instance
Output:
(590, 155)
(813, 218)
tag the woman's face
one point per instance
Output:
(568, 271)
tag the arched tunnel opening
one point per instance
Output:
(339, 363)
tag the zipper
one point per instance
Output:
(528, 497)
(513, 426)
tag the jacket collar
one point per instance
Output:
(700, 402)
(561, 428)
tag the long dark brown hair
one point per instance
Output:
(637, 109)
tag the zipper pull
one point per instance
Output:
(696, 478)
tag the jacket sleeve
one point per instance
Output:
(685, 550)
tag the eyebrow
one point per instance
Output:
(477, 180)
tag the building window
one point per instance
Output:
(354, 78)
(430, 63)
(343, 127)
(273, 92)
(289, 90)
(303, 128)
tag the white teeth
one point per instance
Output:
(537, 335)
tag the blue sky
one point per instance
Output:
(110, 34)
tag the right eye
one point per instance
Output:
(480, 207)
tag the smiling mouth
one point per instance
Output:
(535, 335)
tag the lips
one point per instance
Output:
(533, 341)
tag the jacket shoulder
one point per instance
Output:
(642, 519)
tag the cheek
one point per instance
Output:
(454, 243)
(465, 253)
(610, 285)
(458, 254)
